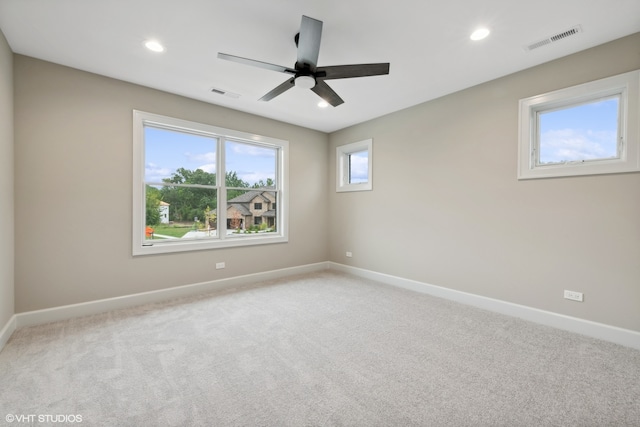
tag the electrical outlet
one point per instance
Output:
(573, 295)
(219, 265)
(349, 254)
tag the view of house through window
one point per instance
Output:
(202, 186)
(580, 133)
(181, 195)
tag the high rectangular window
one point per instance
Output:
(592, 128)
(195, 186)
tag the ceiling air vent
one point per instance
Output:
(224, 92)
(554, 38)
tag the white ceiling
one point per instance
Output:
(426, 42)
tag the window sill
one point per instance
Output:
(164, 247)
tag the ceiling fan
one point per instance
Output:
(305, 72)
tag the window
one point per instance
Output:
(582, 130)
(257, 206)
(194, 186)
(354, 166)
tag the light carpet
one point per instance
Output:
(322, 349)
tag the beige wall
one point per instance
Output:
(452, 162)
(6, 183)
(73, 179)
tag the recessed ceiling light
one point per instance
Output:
(323, 104)
(479, 34)
(154, 46)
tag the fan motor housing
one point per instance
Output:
(305, 82)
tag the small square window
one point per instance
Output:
(354, 166)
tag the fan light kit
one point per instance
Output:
(305, 82)
(305, 73)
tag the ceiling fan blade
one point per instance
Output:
(349, 71)
(309, 42)
(325, 92)
(255, 63)
(279, 89)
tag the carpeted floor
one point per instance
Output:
(323, 349)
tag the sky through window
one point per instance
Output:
(580, 133)
(167, 150)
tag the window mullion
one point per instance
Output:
(622, 127)
(221, 183)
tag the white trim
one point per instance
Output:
(7, 331)
(591, 329)
(100, 306)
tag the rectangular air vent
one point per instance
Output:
(225, 93)
(554, 38)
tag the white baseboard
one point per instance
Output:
(613, 334)
(100, 306)
(7, 330)
(601, 331)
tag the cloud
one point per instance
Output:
(359, 168)
(252, 150)
(566, 145)
(209, 167)
(254, 177)
(209, 158)
(155, 173)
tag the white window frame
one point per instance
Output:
(626, 86)
(141, 246)
(343, 154)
